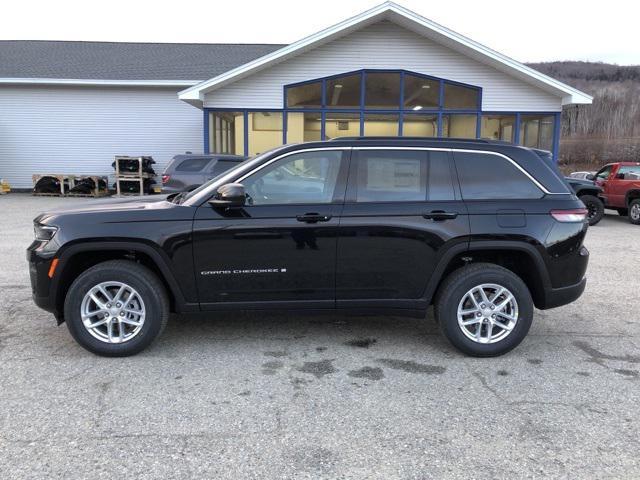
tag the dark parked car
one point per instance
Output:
(586, 190)
(188, 171)
(376, 225)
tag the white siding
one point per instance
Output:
(383, 45)
(79, 130)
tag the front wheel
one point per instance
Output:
(595, 208)
(116, 308)
(634, 212)
(484, 310)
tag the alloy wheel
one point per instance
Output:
(113, 312)
(487, 313)
(635, 212)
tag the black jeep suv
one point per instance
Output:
(482, 230)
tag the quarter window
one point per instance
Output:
(490, 177)
(306, 177)
(604, 173)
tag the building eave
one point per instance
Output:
(98, 82)
(391, 11)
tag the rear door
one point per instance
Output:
(401, 213)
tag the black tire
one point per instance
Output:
(594, 206)
(623, 212)
(634, 211)
(144, 281)
(453, 290)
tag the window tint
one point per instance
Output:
(604, 173)
(192, 165)
(627, 169)
(222, 166)
(440, 185)
(391, 176)
(308, 177)
(485, 176)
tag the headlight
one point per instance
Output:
(43, 232)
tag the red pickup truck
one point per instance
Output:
(620, 183)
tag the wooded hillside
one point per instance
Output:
(608, 130)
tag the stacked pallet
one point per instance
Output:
(65, 185)
(134, 175)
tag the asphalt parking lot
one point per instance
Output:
(255, 396)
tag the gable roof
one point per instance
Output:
(182, 64)
(407, 19)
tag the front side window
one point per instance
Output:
(301, 178)
(486, 176)
(604, 173)
(391, 176)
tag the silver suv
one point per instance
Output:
(188, 171)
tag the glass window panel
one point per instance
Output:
(459, 97)
(420, 125)
(420, 92)
(344, 92)
(303, 126)
(307, 177)
(307, 95)
(382, 90)
(459, 126)
(192, 165)
(342, 125)
(498, 127)
(484, 177)
(265, 131)
(536, 131)
(226, 132)
(381, 125)
(391, 176)
(440, 185)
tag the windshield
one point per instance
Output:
(194, 195)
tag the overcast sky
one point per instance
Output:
(533, 30)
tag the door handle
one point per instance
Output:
(439, 215)
(313, 218)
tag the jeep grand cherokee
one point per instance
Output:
(482, 230)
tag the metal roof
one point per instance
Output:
(180, 63)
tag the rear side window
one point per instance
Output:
(391, 176)
(192, 165)
(489, 177)
(222, 166)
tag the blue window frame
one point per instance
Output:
(405, 108)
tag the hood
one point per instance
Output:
(106, 205)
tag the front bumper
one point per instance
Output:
(41, 285)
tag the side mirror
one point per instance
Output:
(229, 195)
(590, 176)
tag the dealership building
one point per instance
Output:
(69, 107)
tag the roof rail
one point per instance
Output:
(430, 139)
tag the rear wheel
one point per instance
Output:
(484, 310)
(634, 212)
(595, 208)
(116, 308)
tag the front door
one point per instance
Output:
(281, 246)
(401, 211)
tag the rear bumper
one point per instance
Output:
(556, 297)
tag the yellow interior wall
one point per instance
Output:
(264, 132)
(419, 128)
(462, 126)
(331, 128)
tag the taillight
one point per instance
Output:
(165, 178)
(574, 215)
